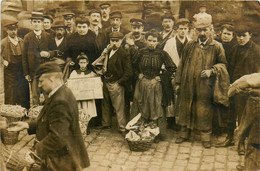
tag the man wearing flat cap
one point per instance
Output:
(95, 21)
(15, 85)
(117, 73)
(59, 142)
(47, 22)
(115, 24)
(245, 59)
(69, 22)
(168, 31)
(202, 67)
(36, 51)
(105, 14)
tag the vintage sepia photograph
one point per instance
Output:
(130, 85)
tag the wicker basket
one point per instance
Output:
(142, 145)
(9, 137)
(11, 119)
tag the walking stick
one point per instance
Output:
(30, 91)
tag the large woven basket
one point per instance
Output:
(9, 137)
(142, 145)
(11, 119)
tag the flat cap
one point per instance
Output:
(167, 16)
(116, 35)
(105, 5)
(48, 17)
(182, 21)
(68, 15)
(203, 22)
(137, 22)
(10, 22)
(37, 15)
(116, 14)
(241, 28)
(94, 11)
(47, 67)
(58, 23)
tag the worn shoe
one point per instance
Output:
(206, 144)
(240, 167)
(241, 148)
(226, 143)
(180, 140)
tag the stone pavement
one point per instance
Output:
(109, 151)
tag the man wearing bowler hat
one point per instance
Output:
(69, 22)
(15, 85)
(59, 142)
(168, 31)
(105, 13)
(36, 51)
(203, 61)
(117, 71)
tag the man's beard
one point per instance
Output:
(136, 34)
(203, 38)
(59, 35)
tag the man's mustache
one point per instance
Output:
(95, 20)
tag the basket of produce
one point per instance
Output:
(84, 119)
(141, 134)
(9, 137)
(12, 113)
(34, 112)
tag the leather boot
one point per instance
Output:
(229, 141)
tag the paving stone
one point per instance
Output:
(220, 170)
(194, 160)
(218, 165)
(208, 159)
(133, 158)
(102, 151)
(183, 156)
(172, 151)
(233, 158)
(221, 158)
(232, 165)
(158, 155)
(123, 155)
(136, 153)
(120, 161)
(197, 147)
(106, 163)
(154, 168)
(170, 157)
(101, 168)
(179, 162)
(196, 153)
(221, 151)
(142, 165)
(178, 168)
(145, 158)
(161, 149)
(115, 150)
(92, 148)
(184, 150)
(192, 166)
(185, 144)
(115, 167)
(167, 164)
(97, 158)
(166, 169)
(206, 166)
(209, 152)
(130, 164)
(111, 156)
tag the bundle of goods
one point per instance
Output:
(141, 134)
(84, 119)
(13, 160)
(12, 112)
(34, 112)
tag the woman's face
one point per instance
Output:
(152, 42)
(83, 64)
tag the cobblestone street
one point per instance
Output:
(109, 151)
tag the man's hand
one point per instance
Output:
(45, 54)
(141, 76)
(6, 63)
(205, 73)
(130, 41)
(28, 78)
(19, 126)
(177, 88)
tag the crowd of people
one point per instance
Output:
(181, 73)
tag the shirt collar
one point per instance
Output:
(203, 43)
(181, 40)
(14, 41)
(38, 32)
(54, 90)
(118, 29)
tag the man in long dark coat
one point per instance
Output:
(202, 62)
(244, 60)
(59, 142)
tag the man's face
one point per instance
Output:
(115, 22)
(167, 24)
(95, 19)
(83, 64)
(203, 9)
(203, 33)
(60, 32)
(115, 43)
(243, 38)
(226, 35)
(37, 24)
(12, 32)
(45, 83)
(68, 22)
(137, 30)
(105, 12)
(152, 42)
(47, 24)
(183, 30)
(82, 28)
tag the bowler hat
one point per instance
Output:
(104, 5)
(9, 22)
(48, 17)
(37, 15)
(137, 22)
(58, 23)
(116, 14)
(116, 35)
(47, 67)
